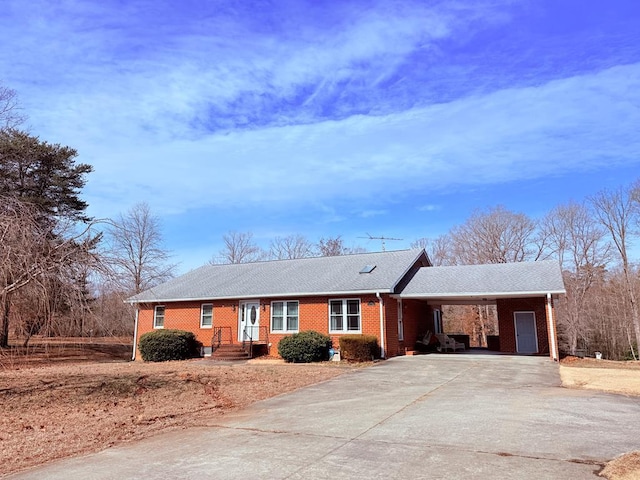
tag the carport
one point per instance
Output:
(523, 293)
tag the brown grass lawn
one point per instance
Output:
(612, 377)
(603, 375)
(58, 408)
(67, 397)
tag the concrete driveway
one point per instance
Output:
(436, 416)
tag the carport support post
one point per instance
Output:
(553, 340)
(135, 333)
(381, 305)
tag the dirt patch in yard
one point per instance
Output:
(55, 411)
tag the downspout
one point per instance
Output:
(381, 305)
(135, 335)
(552, 331)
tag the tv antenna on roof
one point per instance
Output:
(382, 238)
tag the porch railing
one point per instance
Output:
(221, 335)
(248, 341)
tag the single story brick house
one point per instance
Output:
(395, 295)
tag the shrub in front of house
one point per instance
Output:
(164, 345)
(305, 347)
(359, 348)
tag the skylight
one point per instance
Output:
(367, 269)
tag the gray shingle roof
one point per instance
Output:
(491, 280)
(306, 276)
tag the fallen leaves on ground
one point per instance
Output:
(63, 410)
(625, 467)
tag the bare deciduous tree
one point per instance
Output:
(239, 247)
(10, 111)
(438, 249)
(136, 253)
(618, 211)
(579, 243)
(32, 255)
(290, 247)
(333, 246)
(495, 236)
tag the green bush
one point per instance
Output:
(359, 348)
(305, 347)
(164, 345)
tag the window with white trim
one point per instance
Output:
(158, 316)
(206, 315)
(344, 316)
(284, 316)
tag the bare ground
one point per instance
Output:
(612, 377)
(65, 397)
(603, 375)
(67, 409)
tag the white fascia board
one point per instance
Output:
(269, 295)
(542, 293)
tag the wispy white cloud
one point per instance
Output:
(429, 208)
(507, 135)
(334, 107)
(373, 213)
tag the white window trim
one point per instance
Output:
(344, 315)
(202, 315)
(284, 317)
(155, 313)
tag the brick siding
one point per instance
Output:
(506, 324)
(313, 314)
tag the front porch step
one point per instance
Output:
(229, 352)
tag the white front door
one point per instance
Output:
(249, 321)
(526, 335)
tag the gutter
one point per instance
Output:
(381, 305)
(260, 295)
(135, 335)
(479, 295)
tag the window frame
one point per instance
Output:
(285, 315)
(202, 325)
(345, 315)
(155, 316)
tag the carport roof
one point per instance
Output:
(486, 282)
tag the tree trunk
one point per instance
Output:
(4, 321)
(635, 315)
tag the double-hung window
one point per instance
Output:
(344, 316)
(158, 316)
(284, 316)
(206, 315)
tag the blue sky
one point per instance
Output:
(392, 118)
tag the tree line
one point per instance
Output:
(63, 273)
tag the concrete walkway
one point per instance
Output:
(434, 416)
